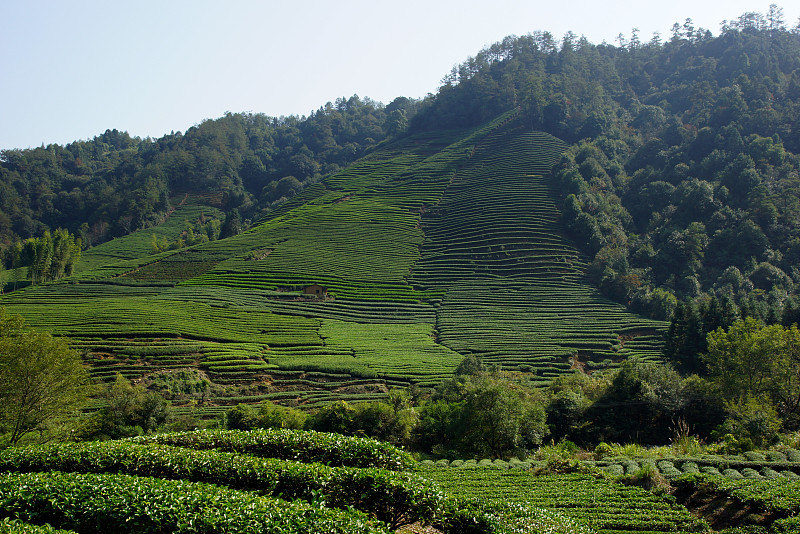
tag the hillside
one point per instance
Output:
(567, 283)
(437, 246)
(679, 179)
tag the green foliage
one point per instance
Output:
(477, 516)
(41, 380)
(779, 495)
(481, 415)
(114, 184)
(127, 410)
(649, 478)
(501, 419)
(395, 313)
(305, 446)
(121, 503)
(266, 415)
(663, 194)
(751, 423)
(393, 421)
(586, 501)
(13, 526)
(395, 498)
(642, 395)
(756, 370)
(50, 257)
(202, 231)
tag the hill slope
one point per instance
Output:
(438, 246)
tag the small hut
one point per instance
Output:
(316, 290)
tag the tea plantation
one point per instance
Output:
(431, 248)
(263, 481)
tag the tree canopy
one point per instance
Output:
(41, 379)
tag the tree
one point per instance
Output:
(397, 122)
(50, 257)
(265, 415)
(685, 339)
(640, 404)
(232, 225)
(470, 365)
(500, 417)
(129, 410)
(751, 363)
(41, 379)
(742, 360)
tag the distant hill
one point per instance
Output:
(547, 194)
(433, 247)
(115, 184)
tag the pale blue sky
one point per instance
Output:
(71, 70)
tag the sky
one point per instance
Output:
(71, 70)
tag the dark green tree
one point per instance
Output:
(232, 225)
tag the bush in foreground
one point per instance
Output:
(102, 503)
(393, 497)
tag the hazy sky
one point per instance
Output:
(71, 70)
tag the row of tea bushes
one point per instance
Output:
(393, 497)
(597, 502)
(752, 464)
(778, 497)
(14, 526)
(286, 444)
(102, 503)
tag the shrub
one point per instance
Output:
(474, 516)
(266, 415)
(614, 469)
(755, 456)
(305, 446)
(390, 496)
(603, 450)
(649, 478)
(793, 455)
(732, 474)
(748, 472)
(120, 503)
(690, 467)
(789, 525)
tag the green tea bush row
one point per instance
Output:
(388, 495)
(597, 501)
(778, 494)
(735, 467)
(102, 503)
(286, 444)
(476, 516)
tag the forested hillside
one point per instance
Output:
(568, 283)
(681, 183)
(115, 184)
(681, 180)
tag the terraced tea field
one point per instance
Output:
(435, 247)
(604, 505)
(513, 283)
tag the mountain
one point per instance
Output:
(436, 246)
(550, 208)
